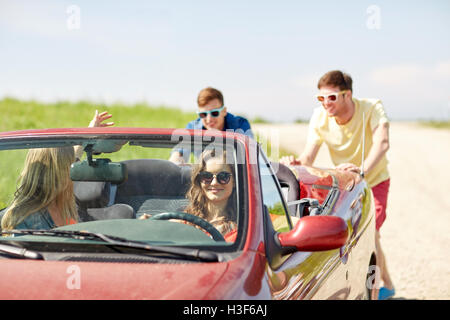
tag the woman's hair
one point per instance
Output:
(199, 202)
(45, 179)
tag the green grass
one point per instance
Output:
(260, 120)
(436, 124)
(300, 121)
(18, 115)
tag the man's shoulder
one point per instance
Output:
(236, 122)
(372, 107)
(368, 103)
(318, 117)
(195, 124)
(235, 117)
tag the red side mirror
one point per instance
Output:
(316, 233)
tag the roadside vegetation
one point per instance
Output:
(436, 124)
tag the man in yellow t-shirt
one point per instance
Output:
(339, 123)
(344, 140)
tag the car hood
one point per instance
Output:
(23, 279)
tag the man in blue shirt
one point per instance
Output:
(213, 115)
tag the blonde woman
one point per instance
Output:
(44, 198)
(212, 193)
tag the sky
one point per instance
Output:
(265, 56)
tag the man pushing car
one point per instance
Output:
(212, 115)
(339, 123)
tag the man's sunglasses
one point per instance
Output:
(332, 96)
(222, 177)
(214, 112)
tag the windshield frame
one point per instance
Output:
(72, 138)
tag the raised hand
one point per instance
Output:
(98, 119)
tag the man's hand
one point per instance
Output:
(176, 158)
(290, 161)
(348, 167)
(98, 119)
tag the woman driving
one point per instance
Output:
(212, 193)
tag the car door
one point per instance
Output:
(300, 275)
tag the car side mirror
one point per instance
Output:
(316, 233)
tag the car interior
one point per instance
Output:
(152, 186)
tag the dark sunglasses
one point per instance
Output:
(222, 177)
(214, 112)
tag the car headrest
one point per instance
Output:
(186, 172)
(92, 194)
(287, 178)
(153, 177)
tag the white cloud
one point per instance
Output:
(413, 90)
(307, 81)
(405, 75)
(443, 69)
(399, 75)
(42, 18)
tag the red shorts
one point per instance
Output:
(380, 195)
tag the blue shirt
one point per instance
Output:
(38, 220)
(235, 123)
(232, 122)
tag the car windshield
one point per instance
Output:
(123, 187)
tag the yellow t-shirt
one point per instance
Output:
(344, 141)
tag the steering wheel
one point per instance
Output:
(205, 225)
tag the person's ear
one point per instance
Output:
(225, 111)
(349, 94)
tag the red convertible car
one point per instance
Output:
(291, 233)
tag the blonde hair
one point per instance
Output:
(199, 202)
(45, 180)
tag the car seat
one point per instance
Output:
(93, 200)
(154, 186)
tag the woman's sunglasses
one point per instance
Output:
(222, 177)
(214, 112)
(332, 96)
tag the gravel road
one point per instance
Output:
(416, 233)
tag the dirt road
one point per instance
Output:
(416, 233)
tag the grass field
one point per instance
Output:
(19, 115)
(436, 124)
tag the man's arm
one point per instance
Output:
(307, 157)
(380, 146)
(176, 158)
(309, 154)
